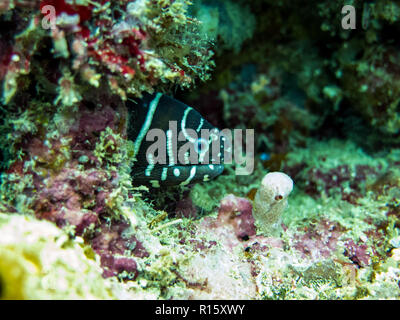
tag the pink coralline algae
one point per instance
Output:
(89, 125)
(233, 226)
(61, 201)
(336, 179)
(323, 239)
(348, 178)
(237, 212)
(319, 240)
(357, 253)
(73, 178)
(5, 58)
(117, 246)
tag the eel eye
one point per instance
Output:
(201, 146)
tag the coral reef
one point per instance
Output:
(128, 45)
(324, 104)
(39, 261)
(67, 158)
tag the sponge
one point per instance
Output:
(270, 202)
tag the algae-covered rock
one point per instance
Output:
(132, 48)
(324, 105)
(228, 23)
(39, 261)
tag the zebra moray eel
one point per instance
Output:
(158, 111)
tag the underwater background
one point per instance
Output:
(318, 81)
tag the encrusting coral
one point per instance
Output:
(65, 151)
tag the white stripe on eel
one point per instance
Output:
(164, 173)
(191, 176)
(183, 125)
(150, 167)
(147, 122)
(177, 172)
(171, 159)
(200, 125)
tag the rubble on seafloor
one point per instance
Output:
(324, 103)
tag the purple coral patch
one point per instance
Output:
(237, 212)
(117, 240)
(357, 253)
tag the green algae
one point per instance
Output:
(39, 261)
(336, 179)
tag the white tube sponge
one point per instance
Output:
(270, 202)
